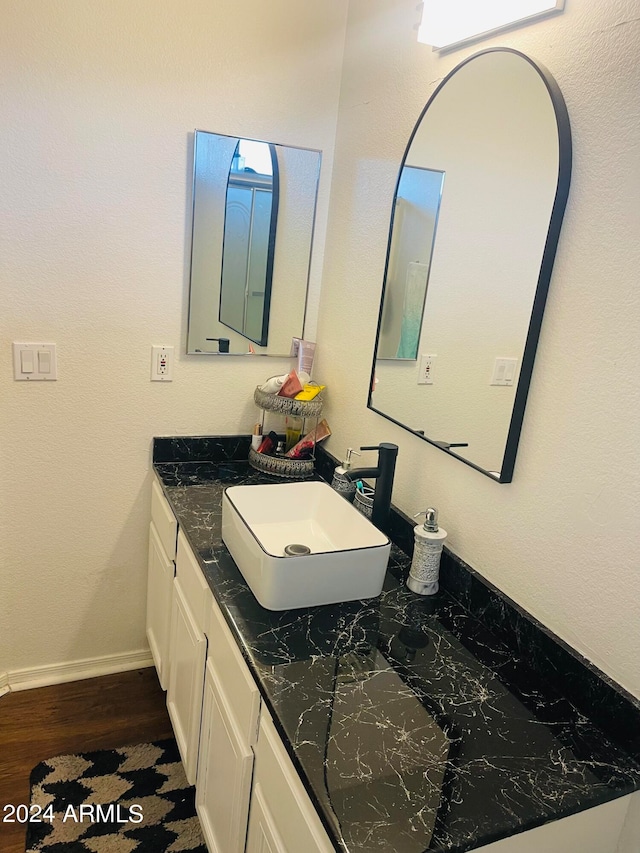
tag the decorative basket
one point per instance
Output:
(288, 406)
(280, 466)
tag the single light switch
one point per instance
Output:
(26, 361)
(44, 361)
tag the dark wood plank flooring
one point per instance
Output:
(97, 713)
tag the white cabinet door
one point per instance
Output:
(188, 651)
(159, 598)
(223, 788)
(263, 836)
(282, 816)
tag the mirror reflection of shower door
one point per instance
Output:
(237, 231)
(415, 221)
(248, 252)
(257, 264)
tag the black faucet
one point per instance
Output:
(383, 475)
(223, 344)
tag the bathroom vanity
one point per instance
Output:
(399, 723)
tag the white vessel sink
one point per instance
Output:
(347, 557)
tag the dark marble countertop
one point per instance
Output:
(414, 727)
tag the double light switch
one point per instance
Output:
(34, 361)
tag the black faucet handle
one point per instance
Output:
(223, 343)
(384, 445)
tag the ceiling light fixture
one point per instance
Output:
(446, 23)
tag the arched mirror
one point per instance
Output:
(477, 213)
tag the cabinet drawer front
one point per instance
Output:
(193, 583)
(233, 674)
(291, 813)
(164, 520)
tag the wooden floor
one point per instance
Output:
(98, 713)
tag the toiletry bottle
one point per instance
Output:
(273, 385)
(256, 437)
(340, 482)
(268, 443)
(293, 431)
(425, 566)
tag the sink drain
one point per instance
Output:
(296, 550)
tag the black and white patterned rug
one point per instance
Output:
(130, 800)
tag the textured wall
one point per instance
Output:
(98, 102)
(562, 539)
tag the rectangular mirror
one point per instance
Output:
(254, 207)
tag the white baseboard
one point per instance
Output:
(58, 673)
(4, 683)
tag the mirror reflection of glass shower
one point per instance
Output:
(249, 240)
(414, 228)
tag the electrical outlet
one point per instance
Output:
(425, 371)
(161, 364)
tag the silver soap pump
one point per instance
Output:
(425, 566)
(340, 483)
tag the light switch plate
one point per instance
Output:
(34, 362)
(504, 371)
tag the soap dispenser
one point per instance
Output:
(425, 566)
(340, 483)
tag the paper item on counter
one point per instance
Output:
(309, 392)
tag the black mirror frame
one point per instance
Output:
(546, 267)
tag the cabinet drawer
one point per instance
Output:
(164, 520)
(237, 683)
(292, 818)
(193, 583)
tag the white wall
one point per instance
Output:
(98, 103)
(562, 539)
